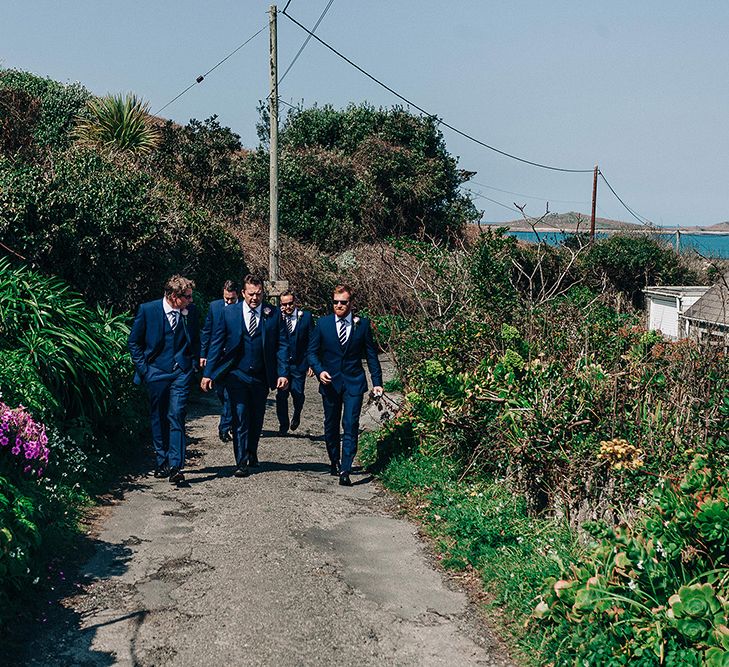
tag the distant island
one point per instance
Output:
(573, 222)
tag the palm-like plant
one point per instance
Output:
(118, 123)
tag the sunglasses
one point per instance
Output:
(184, 296)
(340, 302)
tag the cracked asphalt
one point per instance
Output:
(282, 568)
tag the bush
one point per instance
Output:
(652, 594)
(361, 173)
(60, 105)
(629, 263)
(112, 231)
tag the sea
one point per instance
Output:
(710, 245)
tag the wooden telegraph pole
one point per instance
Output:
(594, 206)
(274, 286)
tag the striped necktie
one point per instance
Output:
(175, 319)
(290, 324)
(252, 323)
(342, 332)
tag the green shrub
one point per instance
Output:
(656, 593)
(112, 231)
(60, 104)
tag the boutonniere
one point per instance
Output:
(356, 320)
(267, 311)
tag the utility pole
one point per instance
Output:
(594, 206)
(274, 287)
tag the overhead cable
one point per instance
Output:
(520, 194)
(306, 41)
(641, 219)
(201, 77)
(427, 113)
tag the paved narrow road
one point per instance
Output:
(282, 568)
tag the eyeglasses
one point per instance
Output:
(340, 302)
(184, 296)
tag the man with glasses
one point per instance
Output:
(248, 354)
(338, 343)
(164, 343)
(298, 325)
(215, 312)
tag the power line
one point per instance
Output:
(493, 201)
(427, 113)
(306, 41)
(641, 219)
(520, 194)
(200, 78)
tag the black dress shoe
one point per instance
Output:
(334, 469)
(283, 430)
(253, 460)
(176, 476)
(224, 436)
(295, 421)
(344, 480)
(161, 471)
(242, 471)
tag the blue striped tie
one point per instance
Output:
(252, 324)
(342, 332)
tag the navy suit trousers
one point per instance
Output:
(226, 415)
(168, 394)
(340, 406)
(296, 389)
(248, 407)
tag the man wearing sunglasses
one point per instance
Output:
(298, 325)
(338, 344)
(215, 312)
(164, 343)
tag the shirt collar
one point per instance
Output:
(247, 309)
(347, 318)
(167, 308)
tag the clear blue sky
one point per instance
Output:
(640, 88)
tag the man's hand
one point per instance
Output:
(310, 373)
(377, 391)
(325, 378)
(203, 361)
(282, 383)
(206, 384)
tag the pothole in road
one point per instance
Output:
(181, 568)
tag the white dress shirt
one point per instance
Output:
(247, 315)
(168, 312)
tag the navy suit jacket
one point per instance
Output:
(299, 343)
(226, 343)
(215, 312)
(344, 363)
(147, 336)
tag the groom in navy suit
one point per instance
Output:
(338, 343)
(249, 355)
(164, 344)
(299, 325)
(215, 312)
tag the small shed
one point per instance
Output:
(707, 320)
(667, 303)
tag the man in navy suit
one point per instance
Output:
(338, 343)
(215, 312)
(249, 355)
(298, 325)
(164, 343)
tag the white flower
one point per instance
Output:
(356, 320)
(184, 312)
(266, 311)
